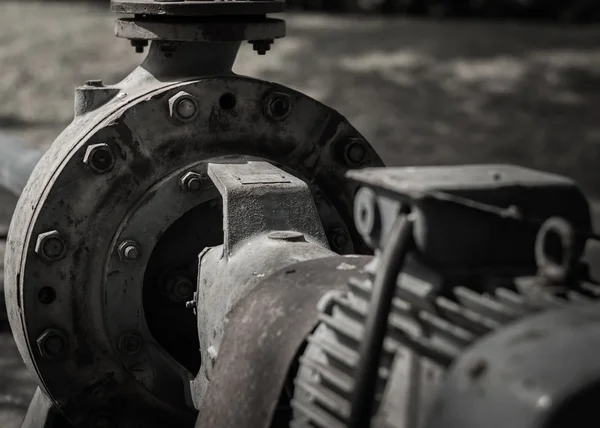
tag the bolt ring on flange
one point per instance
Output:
(96, 213)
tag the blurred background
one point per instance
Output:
(425, 81)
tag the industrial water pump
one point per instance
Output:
(202, 249)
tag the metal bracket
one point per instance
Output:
(258, 197)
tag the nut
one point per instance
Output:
(139, 45)
(192, 181)
(183, 107)
(50, 246)
(130, 343)
(261, 46)
(278, 106)
(180, 289)
(99, 157)
(129, 250)
(339, 239)
(52, 343)
(355, 152)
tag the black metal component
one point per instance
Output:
(483, 204)
(258, 353)
(139, 45)
(261, 46)
(376, 326)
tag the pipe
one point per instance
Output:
(17, 161)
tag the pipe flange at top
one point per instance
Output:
(196, 8)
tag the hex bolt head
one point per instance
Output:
(99, 157)
(278, 106)
(129, 251)
(355, 152)
(130, 344)
(339, 239)
(192, 181)
(139, 45)
(183, 107)
(180, 289)
(50, 246)
(261, 46)
(52, 343)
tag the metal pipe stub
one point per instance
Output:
(200, 21)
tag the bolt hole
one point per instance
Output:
(227, 101)
(47, 295)
(279, 107)
(553, 247)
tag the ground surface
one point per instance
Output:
(422, 92)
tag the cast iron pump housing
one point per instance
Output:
(196, 249)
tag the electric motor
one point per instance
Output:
(205, 249)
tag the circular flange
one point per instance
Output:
(197, 8)
(198, 31)
(110, 355)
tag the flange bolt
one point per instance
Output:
(192, 181)
(261, 46)
(183, 107)
(130, 343)
(129, 250)
(278, 106)
(99, 157)
(52, 343)
(339, 239)
(355, 152)
(139, 45)
(180, 289)
(50, 246)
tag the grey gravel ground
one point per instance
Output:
(422, 92)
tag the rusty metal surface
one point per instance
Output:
(197, 8)
(198, 31)
(338, 51)
(258, 198)
(270, 221)
(258, 355)
(89, 209)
